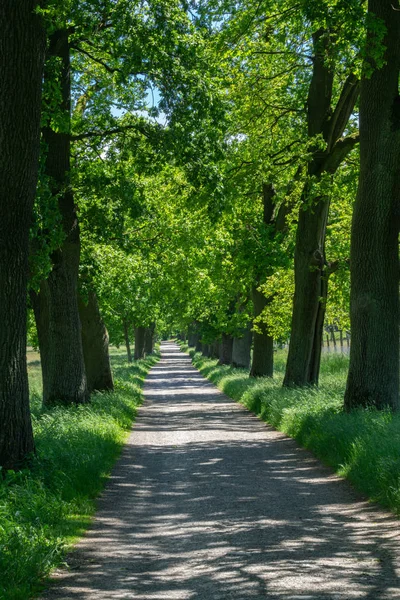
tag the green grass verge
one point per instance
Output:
(363, 446)
(43, 510)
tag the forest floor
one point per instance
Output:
(207, 502)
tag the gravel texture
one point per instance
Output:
(209, 503)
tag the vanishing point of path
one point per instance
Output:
(208, 503)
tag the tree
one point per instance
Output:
(22, 47)
(60, 340)
(95, 341)
(373, 378)
(327, 123)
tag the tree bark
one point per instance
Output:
(22, 47)
(125, 325)
(192, 340)
(263, 343)
(149, 339)
(41, 308)
(226, 348)
(139, 342)
(66, 378)
(319, 323)
(302, 367)
(215, 351)
(242, 349)
(193, 334)
(315, 362)
(95, 342)
(373, 378)
(206, 350)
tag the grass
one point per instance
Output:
(363, 446)
(44, 509)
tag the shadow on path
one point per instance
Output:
(209, 503)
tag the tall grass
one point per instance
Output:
(363, 446)
(44, 509)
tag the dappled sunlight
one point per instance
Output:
(209, 503)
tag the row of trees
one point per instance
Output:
(196, 166)
(298, 77)
(79, 141)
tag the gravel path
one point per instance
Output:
(209, 503)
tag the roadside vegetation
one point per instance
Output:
(363, 446)
(44, 509)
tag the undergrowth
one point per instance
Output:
(44, 509)
(363, 446)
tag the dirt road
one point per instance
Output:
(208, 503)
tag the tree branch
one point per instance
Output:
(339, 152)
(96, 60)
(285, 149)
(269, 193)
(344, 107)
(321, 85)
(108, 132)
(334, 265)
(286, 207)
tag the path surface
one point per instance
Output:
(208, 503)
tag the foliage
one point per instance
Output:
(178, 119)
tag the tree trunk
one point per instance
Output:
(242, 348)
(373, 378)
(226, 348)
(193, 334)
(302, 366)
(192, 340)
(263, 343)
(95, 346)
(125, 325)
(41, 308)
(149, 339)
(315, 361)
(303, 361)
(139, 342)
(199, 345)
(66, 378)
(215, 350)
(206, 350)
(22, 46)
